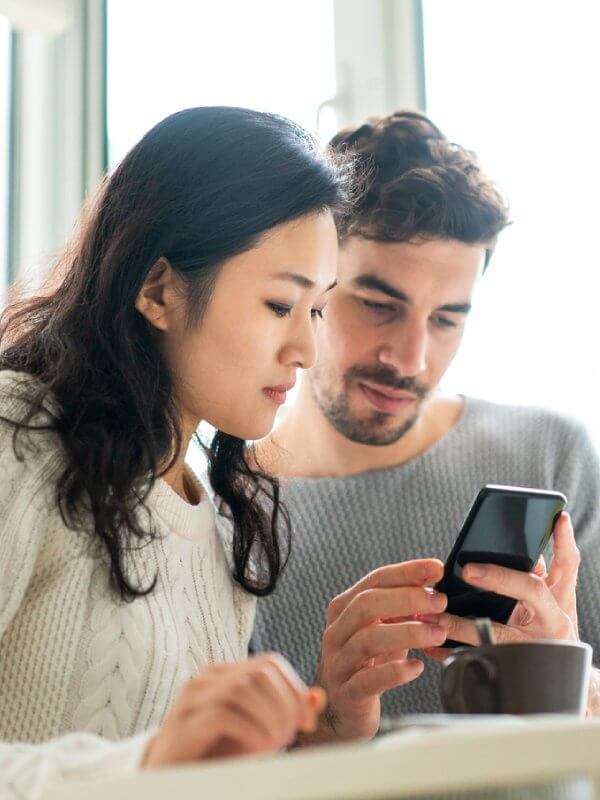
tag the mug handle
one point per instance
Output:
(452, 686)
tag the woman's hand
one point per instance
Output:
(547, 605)
(256, 706)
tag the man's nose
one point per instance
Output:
(407, 352)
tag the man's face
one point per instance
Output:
(392, 328)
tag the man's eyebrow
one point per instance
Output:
(379, 285)
(300, 280)
(456, 308)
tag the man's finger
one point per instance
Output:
(526, 587)
(373, 681)
(421, 572)
(400, 655)
(540, 568)
(373, 605)
(566, 558)
(381, 640)
(460, 629)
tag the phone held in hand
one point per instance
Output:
(506, 525)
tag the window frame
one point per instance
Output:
(57, 85)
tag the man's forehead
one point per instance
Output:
(446, 261)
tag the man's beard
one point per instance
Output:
(373, 430)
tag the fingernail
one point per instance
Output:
(438, 601)
(317, 699)
(309, 726)
(439, 633)
(474, 571)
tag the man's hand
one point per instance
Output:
(369, 630)
(547, 605)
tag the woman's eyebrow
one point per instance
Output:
(300, 280)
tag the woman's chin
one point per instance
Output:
(250, 430)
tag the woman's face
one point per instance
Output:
(234, 367)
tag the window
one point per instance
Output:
(5, 49)
(51, 128)
(517, 83)
(273, 55)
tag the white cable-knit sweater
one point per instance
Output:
(84, 679)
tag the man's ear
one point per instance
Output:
(158, 295)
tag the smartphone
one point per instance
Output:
(506, 525)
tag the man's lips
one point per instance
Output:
(278, 393)
(386, 399)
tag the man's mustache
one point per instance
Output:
(387, 377)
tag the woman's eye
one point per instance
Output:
(279, 309)
(379, 308)
(317, 312)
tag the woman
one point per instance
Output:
(192, 293)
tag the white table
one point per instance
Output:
(407, 763)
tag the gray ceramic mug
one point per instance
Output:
(519, 678)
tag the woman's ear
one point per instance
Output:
(158, 296)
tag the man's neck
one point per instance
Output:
(306, 445)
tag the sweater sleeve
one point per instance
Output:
(578, 476)
(26, 502)
(28, 770)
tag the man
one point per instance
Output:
(380, 469)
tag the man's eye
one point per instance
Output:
(317, 312)
(279, 309)
(379, 308)
(444, 322)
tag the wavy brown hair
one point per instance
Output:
(418, 185)
(201, 187)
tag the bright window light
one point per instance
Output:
(517, 82)
(4, 145)
(271, 55)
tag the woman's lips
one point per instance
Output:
(387, 400)
(277, 393)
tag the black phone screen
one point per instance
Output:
(507, 526)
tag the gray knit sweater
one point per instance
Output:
(345, 527)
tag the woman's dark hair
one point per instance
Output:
(198, 189)
(418, 184)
